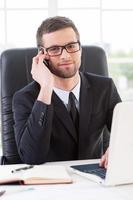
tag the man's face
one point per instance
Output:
(67, 64)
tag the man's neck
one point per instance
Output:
(66, 83)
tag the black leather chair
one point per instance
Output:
(15, 66)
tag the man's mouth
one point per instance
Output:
(65, 64)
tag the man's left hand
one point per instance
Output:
(104, 159)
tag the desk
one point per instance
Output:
(81, 189)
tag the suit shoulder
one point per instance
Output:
(97, 78)
(31, 89)
(97, 83)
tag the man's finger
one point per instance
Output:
(35, 60)
(41, 58)
(106, 162)
(102, 160)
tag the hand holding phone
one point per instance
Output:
(46, 62)
(43, 76)
(40, 68)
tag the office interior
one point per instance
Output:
(104, 23)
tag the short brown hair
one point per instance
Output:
(53, 24)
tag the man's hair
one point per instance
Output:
(54, 24)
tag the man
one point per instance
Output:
(45, 128)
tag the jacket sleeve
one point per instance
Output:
(33, 127)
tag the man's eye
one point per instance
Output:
(54, 49)
(71, 46)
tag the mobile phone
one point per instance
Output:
(46, 63)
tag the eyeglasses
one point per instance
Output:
(57, 50)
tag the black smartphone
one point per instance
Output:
(46, 63)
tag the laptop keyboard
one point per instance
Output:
(91, 169)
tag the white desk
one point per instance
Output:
(80, 189)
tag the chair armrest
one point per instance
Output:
(2, 160)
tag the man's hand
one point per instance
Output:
(44, 77)
(40, 72)
(104, 159)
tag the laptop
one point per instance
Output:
(120, 161)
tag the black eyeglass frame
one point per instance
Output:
(41, 48)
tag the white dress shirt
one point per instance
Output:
(64, 95)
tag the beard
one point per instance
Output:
(64, 72)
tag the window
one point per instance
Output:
(107, 23)
(79, 4)
(90, 32)
(19, 21)
(22, 32)
(27, 4)
(117, 35)
(2, 31)
(1, 3)
(117, 5)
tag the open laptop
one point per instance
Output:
(120, 161)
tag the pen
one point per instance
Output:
(22, 168)
(2, 192)
(15, 191)
(9, 192)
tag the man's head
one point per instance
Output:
(53, 24)
(58, 39)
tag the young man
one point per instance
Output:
(45, 128)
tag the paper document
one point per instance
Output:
(38, 174)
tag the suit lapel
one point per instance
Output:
(63, 115)
(86, 101)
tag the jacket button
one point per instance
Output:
(42, 114)
(40, 123)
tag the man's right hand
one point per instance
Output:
(44, 77)
(40, 72)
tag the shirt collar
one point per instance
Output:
(64, 95)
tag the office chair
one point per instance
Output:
(15, 67)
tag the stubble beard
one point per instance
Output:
(64, 73)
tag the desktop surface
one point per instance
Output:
(81, 188)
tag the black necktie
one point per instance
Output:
(73, 110)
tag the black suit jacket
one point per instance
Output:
(46, 132)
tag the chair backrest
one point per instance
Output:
(15, 67)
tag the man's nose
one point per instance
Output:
(65, 54)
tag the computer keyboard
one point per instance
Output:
(91, 169)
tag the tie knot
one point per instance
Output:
(72, 96)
